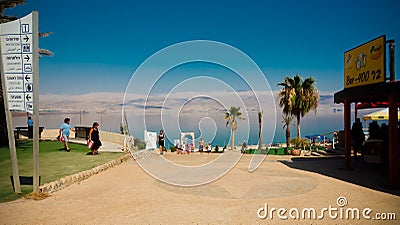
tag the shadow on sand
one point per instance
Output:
(373, 176)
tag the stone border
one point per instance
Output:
(75, 178)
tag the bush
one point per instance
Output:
(300, 143)
(277, 151)
(250, 151)
(141, 146)
(139, 143)
(264, 151)
(172, 148)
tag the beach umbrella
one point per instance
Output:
(380, 115)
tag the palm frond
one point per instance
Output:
(45, 34)
(45, 52)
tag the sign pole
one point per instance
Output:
(35, 75)
(392, 61)
(11, 138)
(19, 69)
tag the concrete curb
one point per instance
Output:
(76, 178)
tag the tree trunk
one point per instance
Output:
(233, 140)
(298, 127)
(287, 138)
(260, 137)
(3, 122)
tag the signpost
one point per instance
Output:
(365, 64)
(19, 71)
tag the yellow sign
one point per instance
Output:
(365, 64)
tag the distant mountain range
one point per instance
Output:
(113, 102)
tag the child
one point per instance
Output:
(64, 132)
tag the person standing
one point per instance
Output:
(30, 127)
(64, 132)
(161, 141)
(357, 137)
(201, 145)
(244, 147)
(95, 137)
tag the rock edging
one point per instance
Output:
(78, 177)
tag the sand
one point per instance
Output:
(126, 194)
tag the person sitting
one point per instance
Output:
(208, 148)
(179, 148)
(187, 149)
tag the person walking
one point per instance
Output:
(64, 132)
(95, 138)
(161, 141)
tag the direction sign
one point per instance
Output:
(19, 75)
(18, 66)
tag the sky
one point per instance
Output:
(99, 44)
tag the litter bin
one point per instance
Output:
(373, 150)
(82, 131)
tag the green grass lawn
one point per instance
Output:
(54, 163)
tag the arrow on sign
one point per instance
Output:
(28, 97)
(26, 38)
(27, 78)
(27, 58)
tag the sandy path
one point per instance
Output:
(127, 195)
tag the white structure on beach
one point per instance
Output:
(151, 139)
(183, 137)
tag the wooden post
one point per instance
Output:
(393, 143)
(355, 111)
(347, 129)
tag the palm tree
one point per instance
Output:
(298, 97)
(231, 116)
(287, 96)
(287, 121)
(4, 19)
(260, 129)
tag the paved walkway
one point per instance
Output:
(126, 194)
(106, 145)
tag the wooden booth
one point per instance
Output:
(379, 92)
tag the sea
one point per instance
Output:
(211, 127)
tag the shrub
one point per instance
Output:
(121, 128)
(139, 143)
(300, 143)
(172, 148)
(141, 146)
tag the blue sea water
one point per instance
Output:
(212, 128)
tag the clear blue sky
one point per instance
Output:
(99, 44)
